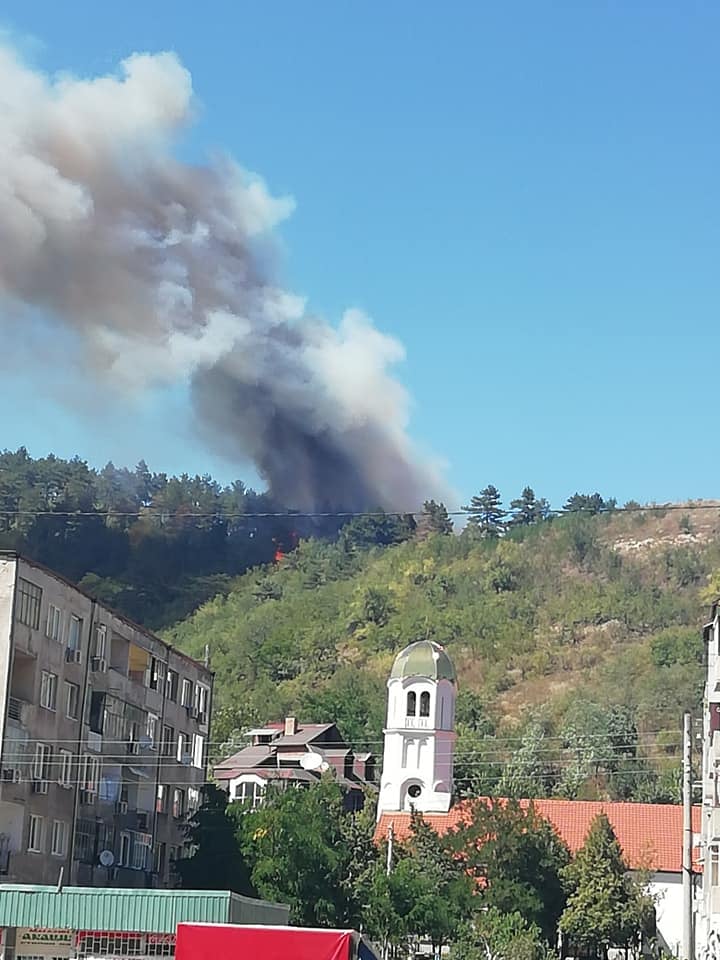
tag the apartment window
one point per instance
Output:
(53, 626)
(85, 840)
(100, 641)
(35, 834)
(90, 773)
(65, 759)
(198, 751)
(29, 599)
(714, 857)
(60, 832)
(97, 711)
(157, 674)
(124, 858)
(161, 799)
(74, 632)
(178, 807)
(425, 704)
(141, 851)
(171, 686)
(48, 690)
(151, 729)
(159, 859)
(201, 701)
(72, 700)
(193, 799)
(186, 699)
(41, 761)
(168, 740)
(183, 747)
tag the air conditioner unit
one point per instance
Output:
(73, 656)
(122, 806)
(98, 665)
(40, 786)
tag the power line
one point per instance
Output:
(159, 513)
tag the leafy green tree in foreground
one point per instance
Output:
(485, 513)
(298, 852)
(606, 906)
(217, 863)
(517, 858)
(500, 936)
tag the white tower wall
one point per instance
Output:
(419, 744)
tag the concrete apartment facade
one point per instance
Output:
(104, 731)
(707, 933)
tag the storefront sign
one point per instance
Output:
(43, 942)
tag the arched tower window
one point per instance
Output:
(411, 703)
(425, 704)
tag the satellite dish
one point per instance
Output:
(107, 858)
(312, 761)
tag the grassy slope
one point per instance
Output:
(600, 609)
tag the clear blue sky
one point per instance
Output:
(525, 193)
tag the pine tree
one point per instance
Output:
(528, 509)
(217, 862)
(590, 503)
(434, 519)
(486, 514)
(606, 907)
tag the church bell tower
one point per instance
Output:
(419, 734)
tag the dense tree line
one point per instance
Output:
(500, 884)
(152, 545)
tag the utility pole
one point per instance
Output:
(687, 878)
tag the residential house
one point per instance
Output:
(290, 753)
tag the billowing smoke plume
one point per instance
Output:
(156, 265)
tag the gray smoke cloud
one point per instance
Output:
(158, 266)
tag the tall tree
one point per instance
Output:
(217, 862)
(606, 906)
(528, 509)
(518, 859)
(434, 519)
(485, 513)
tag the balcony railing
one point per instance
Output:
(417, 723)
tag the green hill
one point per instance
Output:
(576, 640)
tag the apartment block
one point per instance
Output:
(104, 731)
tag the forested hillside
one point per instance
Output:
(576, 637)
(576, 640)
(153, 546)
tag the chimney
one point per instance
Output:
(290, 726)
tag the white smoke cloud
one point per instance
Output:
(154, 264)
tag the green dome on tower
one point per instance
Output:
(423, 659)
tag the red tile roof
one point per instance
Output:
(650, 834)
